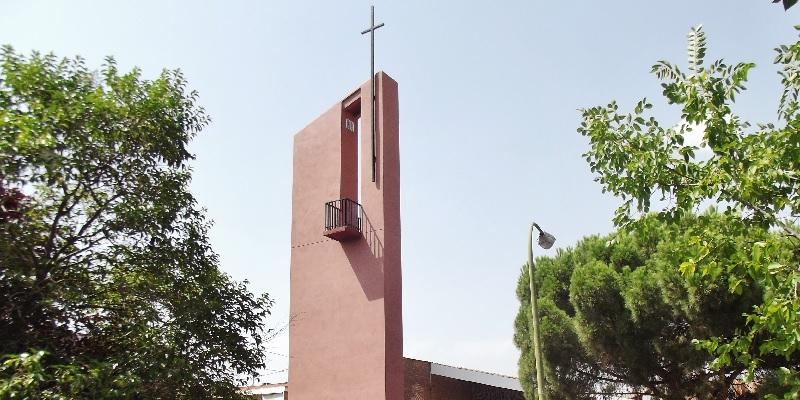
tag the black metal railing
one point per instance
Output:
(343, 213)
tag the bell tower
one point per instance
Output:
(346, 334)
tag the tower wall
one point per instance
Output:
(346, 333)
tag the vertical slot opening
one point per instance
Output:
(351, 148)
(358, 162)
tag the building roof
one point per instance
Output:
(472, 375)
(265, 388)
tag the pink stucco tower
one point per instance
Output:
(346, 331)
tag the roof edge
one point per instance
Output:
(471, 375)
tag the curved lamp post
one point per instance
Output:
(545, 241)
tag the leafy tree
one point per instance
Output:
(618, 318)
(786, 3)
(753, 172)
(108, 285)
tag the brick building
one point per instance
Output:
(431, 381)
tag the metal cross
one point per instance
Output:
(371, 30)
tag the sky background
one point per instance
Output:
(489, 93)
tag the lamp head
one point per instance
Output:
(546, 240)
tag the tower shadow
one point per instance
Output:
(366, 258)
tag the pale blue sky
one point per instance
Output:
(488, 99)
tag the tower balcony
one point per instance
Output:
(343, 220)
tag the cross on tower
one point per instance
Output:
(371, 30)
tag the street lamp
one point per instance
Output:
(545, 241)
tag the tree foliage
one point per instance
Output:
(619, 318)
(751, 171)
(786, 3)
(108, 285)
